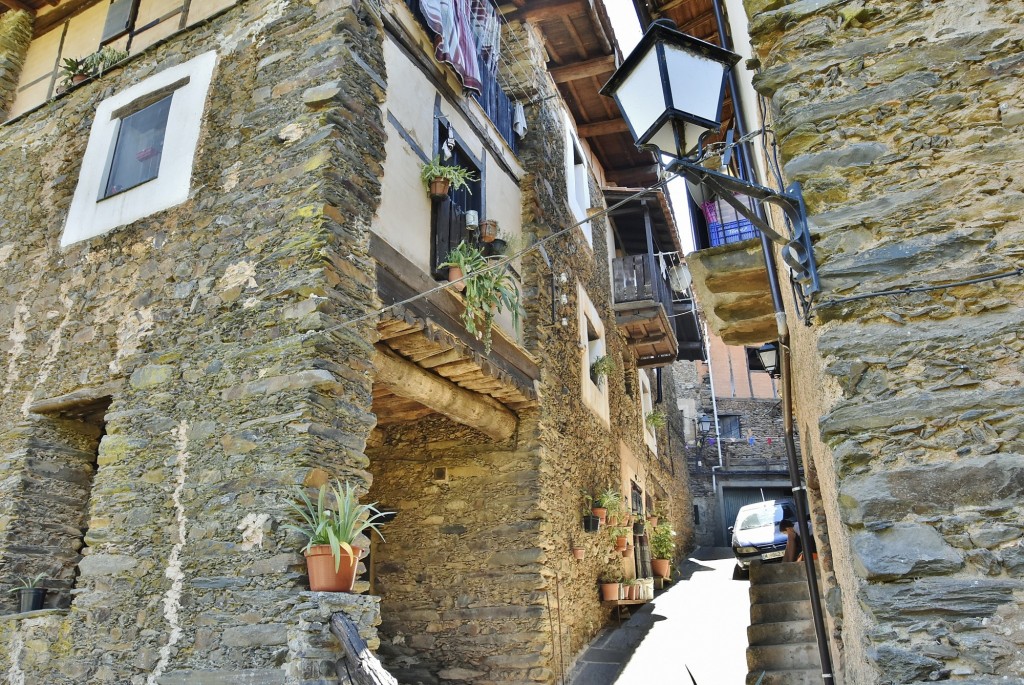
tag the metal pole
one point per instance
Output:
(801, 512)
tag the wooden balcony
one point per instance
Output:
(641, 303)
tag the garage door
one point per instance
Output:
(734, 498)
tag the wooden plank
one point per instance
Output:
(64, 11)
(73, 401)
(602, 128)
(398, 279)
(579, 70)
(18, 5)
(554, 10)
(359, 665)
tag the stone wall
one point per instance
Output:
(202, 320)
(15, 35)
(904, 124)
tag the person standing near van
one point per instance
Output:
(793, 549)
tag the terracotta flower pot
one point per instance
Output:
(488, 230)
(454, 274)
(653, 521)
(609, 592)
(620, 543)
(439, 187)
(601, 513)
(661, 567)
(579, 553)
(322, 575)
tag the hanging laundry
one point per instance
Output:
(519, 120)
(451, 21)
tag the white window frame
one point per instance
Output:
(592, 345)
(577, 179)
(646, 407)
(89, 216)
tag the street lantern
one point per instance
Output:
(704, 424)
(769, 356)
(670, 89)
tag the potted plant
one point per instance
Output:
(579, 552)
(332, 530)
(600, 368)
(608, 499)
(654, 516)
(610, 583)
(628, 549)
(461, 261)
(662, 549)
(656, 419)
(103, 59)
(30, 595)
(488, 230)
(73, 71)
(489, 289)
(498, 246)
(619, 535)
(629, 588)
(639, 527)
(442, 178)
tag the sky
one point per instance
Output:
(627, 33)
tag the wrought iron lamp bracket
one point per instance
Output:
(798, 251)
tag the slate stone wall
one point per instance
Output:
(15, 35)
(205, 322)
(904, 124)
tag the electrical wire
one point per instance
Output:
(917, 289)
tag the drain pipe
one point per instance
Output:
(786, 367)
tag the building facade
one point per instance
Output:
(223, 278)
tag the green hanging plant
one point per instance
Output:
(489, 290)
(656, 419)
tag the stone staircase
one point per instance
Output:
(781, 639)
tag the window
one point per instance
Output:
(141, 149)
(646, 407)
(729, 426)
(593, 348)
(448, 215)
(138, 148)
(577, 179)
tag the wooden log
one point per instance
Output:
(408, 380)
(359, 665)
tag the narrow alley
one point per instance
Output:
(699, 623)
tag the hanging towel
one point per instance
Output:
(451, 20)
(519, 120)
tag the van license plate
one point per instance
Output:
(772, 555)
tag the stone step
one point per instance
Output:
(779, 592)
(794, 656)
(785, 632)
(776, 612)
(800, 676)
(781, 572)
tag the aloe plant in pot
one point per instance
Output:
(331, 530)
(30, 595)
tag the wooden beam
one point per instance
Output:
(61, 13)
(602, 128)
(358, 663)
(18, 5)
(581, 49)
(555, 10)
(408, 380)
(579, 70)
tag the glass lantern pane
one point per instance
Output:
(641, 95)
(696, 83)
(139, 147)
